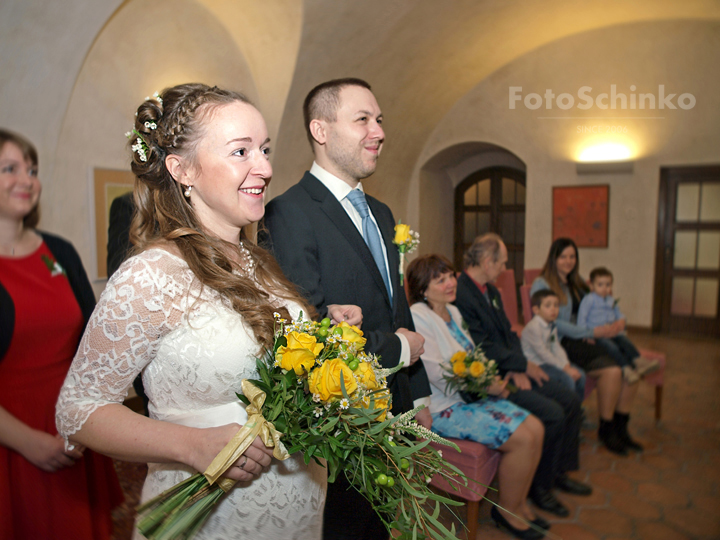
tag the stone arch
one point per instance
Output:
(438, 178)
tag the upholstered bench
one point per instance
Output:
(479, 464)
(656, 378)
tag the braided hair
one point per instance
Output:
(172, 123)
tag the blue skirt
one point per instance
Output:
(490, 421)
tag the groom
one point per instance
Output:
(335, 243)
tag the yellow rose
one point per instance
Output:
(352, 334)
(459, 369)
(366, 375)
(295, 340)
(458, 357)
(382, 401)
(382, 404)
(477, 369)
(299, 353)
(402, 233)
(300, 360)
(314, 382)
(325, 380)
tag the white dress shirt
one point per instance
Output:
(340, 189)
(541, 344)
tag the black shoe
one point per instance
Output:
(609, 436)
(621, 423)
(540, 522)
(501, 522)
(545, 500)
(568, 485)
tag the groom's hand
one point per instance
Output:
(345, 313)
(416, 342)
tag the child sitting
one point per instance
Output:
(541, 344)
(598, 308)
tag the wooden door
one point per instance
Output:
(492, 200)
(687, 280)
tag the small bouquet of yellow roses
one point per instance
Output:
(321, 394)
(470, 374)
(406, 241)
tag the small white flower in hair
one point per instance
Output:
(150, 125)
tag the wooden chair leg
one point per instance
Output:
(473, 512)
(658, 402)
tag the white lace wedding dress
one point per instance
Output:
(193, 351)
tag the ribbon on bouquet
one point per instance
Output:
(256, 425)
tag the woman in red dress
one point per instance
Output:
(46, 490)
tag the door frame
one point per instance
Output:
(665, 239)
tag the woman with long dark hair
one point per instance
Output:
(615, 396)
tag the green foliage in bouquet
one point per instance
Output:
(336, 409)
(330, 401)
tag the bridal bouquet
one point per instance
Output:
(470, 373)
(321, 394)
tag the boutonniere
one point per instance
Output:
(406, 241)
(465, 325)
(53, 266)
(615, 303)
(495, 304)
(552, 338)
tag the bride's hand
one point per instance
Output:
(211, 441)
(348, 313)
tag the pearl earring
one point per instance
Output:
(187, 192)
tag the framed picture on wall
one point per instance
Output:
(109, 184)
(581, 213)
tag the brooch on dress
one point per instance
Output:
(53, 266)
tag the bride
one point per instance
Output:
(191, 311)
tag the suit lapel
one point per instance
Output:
(332, 208)
(484, 301)
(492, 294)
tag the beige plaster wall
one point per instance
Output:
(681, 55)
(422, 56)
(126, 63)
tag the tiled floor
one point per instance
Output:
(672, 490)
(669, 492)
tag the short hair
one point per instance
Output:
(422, 271)
(538, 296)
(322, 102)
(600, 271)
(487, 245)
(30, 154)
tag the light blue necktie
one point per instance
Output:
(370, 234)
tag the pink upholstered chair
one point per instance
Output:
(525, 299)
(479, 464)
(506, 284)
(530, 274)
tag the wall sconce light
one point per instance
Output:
(608, 158)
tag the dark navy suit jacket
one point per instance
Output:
(322, 252)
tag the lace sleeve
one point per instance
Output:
(143, 302)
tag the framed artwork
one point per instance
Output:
(109, 184)
(581, 213)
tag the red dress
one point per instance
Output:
(74, 502)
